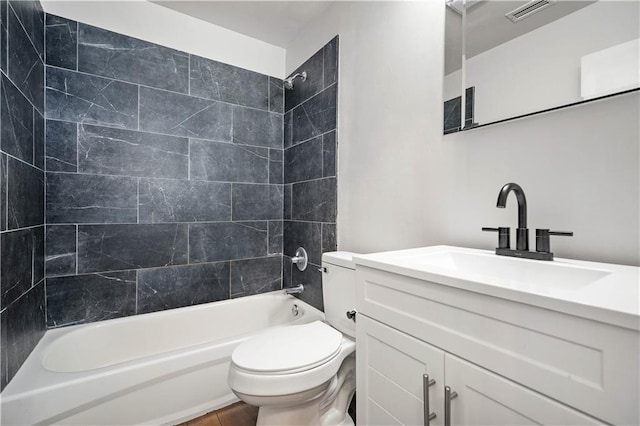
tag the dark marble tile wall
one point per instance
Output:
(310, 187)
(164, 177)
(22, 179)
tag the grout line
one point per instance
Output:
(20, 91)
(138, 201)
(60, 172)
(78, 148)
(309, 139)
(23, 29)
(138, 108)
(22, 161)
(108, 126)
(25, 228)
(207, 222)
(77, 47)
(308, 99)
(160, 89)
(137, 279)
(77, 247)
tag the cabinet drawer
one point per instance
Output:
(585, 364)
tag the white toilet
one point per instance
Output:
(304, 374)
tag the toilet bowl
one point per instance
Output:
(304, 374)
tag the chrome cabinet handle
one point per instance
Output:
(426, 383)
(448, 396)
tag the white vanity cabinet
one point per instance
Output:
(510, 363)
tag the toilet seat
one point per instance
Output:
(251, 374)
(288, 350)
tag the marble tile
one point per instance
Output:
(329, 148)
(25, 195)
(286, 272)
(4, 34)
(221, 82)
(61, 146)
(26, 68)
(83, 98)
(16, 263)
(276, 95)
(276, 166)
(225, 162)
(109, 54)
(60, 256)
(62, 39)
(73, 198)
(330, 53)
(178, 286)
(303, 90)
(184, 201)
(311, 278)
(38, 253)
(23, 323)
(315, 117)
(258, 128)
(255, 276)
(315, 200)
(121, 247)
(212, 242)
(83, 299)
(329, 237)
(276, 231)
(16, 122)
(303, 161)
(105, 150)
(31, 16)
(287, 130)
(303, 234)
(182, 115)
(38, 140)
(257, 202)
(3, 191)
(288, 190)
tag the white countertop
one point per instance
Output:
(603, 292)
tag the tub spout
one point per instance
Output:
(294, 290)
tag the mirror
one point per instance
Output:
(516, 58)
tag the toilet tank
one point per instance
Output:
(339, 290)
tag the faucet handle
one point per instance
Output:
(504, 236)
(542, 239)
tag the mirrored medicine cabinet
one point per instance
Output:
(509, 59)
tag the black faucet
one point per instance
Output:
(543, 251)
(522, 233)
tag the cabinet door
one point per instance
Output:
(485, 398)
(390, 369)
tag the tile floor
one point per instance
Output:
(238, 414)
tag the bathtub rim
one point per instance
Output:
(48, 380)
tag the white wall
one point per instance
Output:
(151, 22)
(541, 69)
(402, 184)
(384, 115)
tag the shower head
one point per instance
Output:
(288, 83)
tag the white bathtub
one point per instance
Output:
(158, 368)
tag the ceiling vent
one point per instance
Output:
(528, 9)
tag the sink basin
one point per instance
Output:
(485, 267)
(599, 291)
(509, 271)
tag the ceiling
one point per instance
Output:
(487, 27)
(275, 22)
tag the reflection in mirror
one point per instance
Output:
(526, 57)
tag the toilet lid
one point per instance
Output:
(296, 347)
